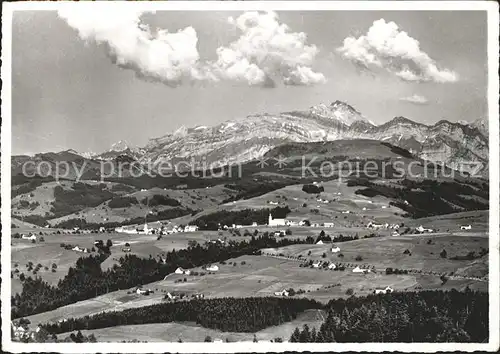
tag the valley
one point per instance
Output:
(352, 217)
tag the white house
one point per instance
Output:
(276, 222)
(29, 237)
(141, 291)
(281, 293)
(254, 224)
(77, 249)
(395, 233)
(171, 297)
(316, 264)
(335, 249)
(384, 291)
(329, 224)
(319, 242)
(212, 268)
(423, 229)
(372, 225)
(346, 212)
(182, 271)
(332, 266)
(359, 270)
(190, 228)
(465, 227)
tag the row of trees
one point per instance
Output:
(225, 314)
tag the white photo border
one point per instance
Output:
(490, 7)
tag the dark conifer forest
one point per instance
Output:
(426, 316)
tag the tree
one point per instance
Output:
(443, 253)
(109, 243)
(295, 338)
(255, 338)
(305, 335)
(208, 339)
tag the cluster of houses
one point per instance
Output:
(373, 225)
(80, 249)
(218, 241)
(284, 292)
(159, 229)
(319, 264)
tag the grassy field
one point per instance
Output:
(191, 332)
(263, 275)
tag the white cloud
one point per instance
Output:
(416, 99)
(386, 47)
(167, 57)
(266, 50)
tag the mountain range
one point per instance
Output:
(243, 140)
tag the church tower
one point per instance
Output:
(270, 220)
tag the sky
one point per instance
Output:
(83, 80)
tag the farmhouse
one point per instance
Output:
(126, 249)
(281, 293)
(316, 264)
(181, 270)
(372, 225)
(276, 222)
(335, 249)
(29, 237)
(332, 266)
(329, 224)
(346, 212)
(359, 270)
(465, 227)
(383, 291)
(319, 242)
(191, 228)
(423, 229)
(212, 268)
(141, 291)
